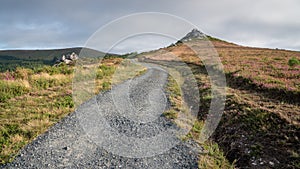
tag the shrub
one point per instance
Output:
(22, 73)
(60, 69)
(11, 89)
(8, 76)
(107, 70)
(105, 85)
(99, 74)
(4, 96)
(66, 101)
(294, 62)
(44, 83)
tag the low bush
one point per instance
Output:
(107, 70)
(294, 62)
(60, 69)
(44, 83)
(106, 85)
(22, 73)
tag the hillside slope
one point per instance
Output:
(260, 127)
(44, 54)
(10, 59)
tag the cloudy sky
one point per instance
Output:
(69, 23)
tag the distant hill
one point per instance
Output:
(43, 54)
(10, 59)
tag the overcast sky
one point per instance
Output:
(60, 23)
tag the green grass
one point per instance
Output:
(171, 114)
(61, 69)
(293, 62)
(212, 157)
(113, 71)
(31, 100)
(10, 89)
(65, 101)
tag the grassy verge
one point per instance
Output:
(31, 100)
(212, 157)
(34, 100)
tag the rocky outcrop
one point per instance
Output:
(194, 34)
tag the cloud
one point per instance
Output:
(140, 43)
(68, 23)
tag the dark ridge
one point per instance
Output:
(11, 59)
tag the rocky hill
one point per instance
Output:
(194, 34)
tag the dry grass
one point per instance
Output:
(40, 99)
(268, 68)
(212, 157)
(24, 117)
(127, 70)
(267, 118)
(257, 124)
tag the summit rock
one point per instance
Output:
(194, 34)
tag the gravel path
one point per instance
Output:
(120, 128)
